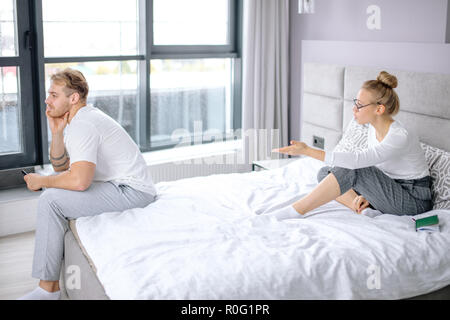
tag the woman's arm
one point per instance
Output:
(315, 153)
(392, 146)
(298, 148)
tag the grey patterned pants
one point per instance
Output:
(57, 206)
(393, 196)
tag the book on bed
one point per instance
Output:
(429, 224)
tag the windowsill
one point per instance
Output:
(151, 158)
(17, 194)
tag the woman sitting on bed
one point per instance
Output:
(391, 175)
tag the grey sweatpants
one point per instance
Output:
(57, 206)
(394, 196)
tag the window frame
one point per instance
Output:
(31, 18)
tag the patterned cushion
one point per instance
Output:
(439, 164)
(354, 138)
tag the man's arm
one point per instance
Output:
(58, 154)
(78, 178)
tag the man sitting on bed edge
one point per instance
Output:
(100, 170)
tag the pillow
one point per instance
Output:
(439, 163)
(354, 138)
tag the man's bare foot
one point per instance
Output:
(50, 286)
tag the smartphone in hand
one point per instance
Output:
(25, 173)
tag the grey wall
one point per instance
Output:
(447, 38)
(344, 38)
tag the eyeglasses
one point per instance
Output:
(359, 105)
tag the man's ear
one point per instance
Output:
(74, 98)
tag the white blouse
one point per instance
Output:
(399, 155)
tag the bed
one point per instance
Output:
(208, 238)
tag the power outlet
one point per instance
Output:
(319, 142)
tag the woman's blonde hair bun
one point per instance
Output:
(383, 91)
(388, 79)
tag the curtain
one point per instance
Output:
(265, 77)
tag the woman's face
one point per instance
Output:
(364, 110)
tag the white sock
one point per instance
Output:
(41, 294)
(369, 212)
(285, 213)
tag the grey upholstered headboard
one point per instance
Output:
(328, 91)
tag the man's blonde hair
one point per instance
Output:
(73, 81)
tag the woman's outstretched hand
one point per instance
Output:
(296, 148)
(359, 204)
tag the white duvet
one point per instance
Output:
(205, 238)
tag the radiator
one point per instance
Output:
(205, 166)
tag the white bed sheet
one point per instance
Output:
(205, 238)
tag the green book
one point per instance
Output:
(430, 224)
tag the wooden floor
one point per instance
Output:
(16, 257)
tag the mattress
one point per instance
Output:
(209, 238)
(89, 287)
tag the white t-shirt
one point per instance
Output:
(95, 137)
(399, 155)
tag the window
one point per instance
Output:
(90, 27)
(190, 94)
(8, 24)
(154, 66)
(193, 22)
(194, 70)
(17, 125)
(9, 111)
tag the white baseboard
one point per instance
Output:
(18, 216)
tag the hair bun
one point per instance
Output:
(387, 79)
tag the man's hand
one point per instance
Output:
(296, 148)
(359, 204)
(57, 125)
(34, 181)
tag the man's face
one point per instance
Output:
(58, 103)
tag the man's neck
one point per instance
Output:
(73, 111)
